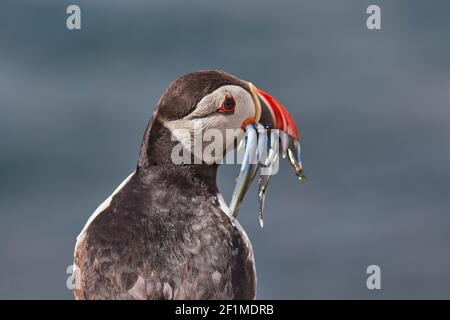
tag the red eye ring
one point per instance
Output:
(228, 105)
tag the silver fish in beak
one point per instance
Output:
(272, 131)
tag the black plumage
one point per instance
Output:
(163, 235)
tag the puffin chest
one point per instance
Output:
(215, 235)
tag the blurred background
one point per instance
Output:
(372, 106)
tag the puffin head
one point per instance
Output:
(206, 108)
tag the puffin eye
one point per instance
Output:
(228, 105)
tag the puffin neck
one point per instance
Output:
(155, 158)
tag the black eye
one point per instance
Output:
(228, 104)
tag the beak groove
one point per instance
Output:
(282, 118)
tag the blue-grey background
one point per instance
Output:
(372, 106)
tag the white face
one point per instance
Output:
(211, 122)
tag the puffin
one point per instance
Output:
(166, 232)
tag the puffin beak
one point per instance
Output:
(275, 116)
(270, 131)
